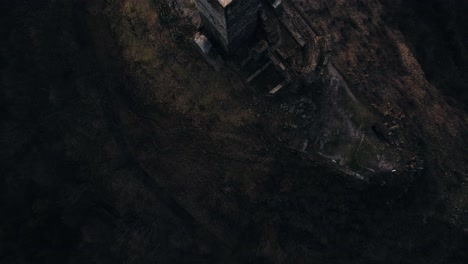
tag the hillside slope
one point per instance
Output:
(122, 145)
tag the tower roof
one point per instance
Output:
(224, 3)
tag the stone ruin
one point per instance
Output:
(230, 23)
(270, 40)
(281, 50)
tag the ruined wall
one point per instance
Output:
(241, 20)
(231, 26)
(214, 20)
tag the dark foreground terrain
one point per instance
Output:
(119, 144)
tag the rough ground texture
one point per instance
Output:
(121, 145)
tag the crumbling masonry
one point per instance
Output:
(284, 50)
(231, 23)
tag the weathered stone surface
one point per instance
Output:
(230, 23)
(203, 43)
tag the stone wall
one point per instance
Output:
(231, 26)
(241, 21)
(214, 20)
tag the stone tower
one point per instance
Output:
(230, 23)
